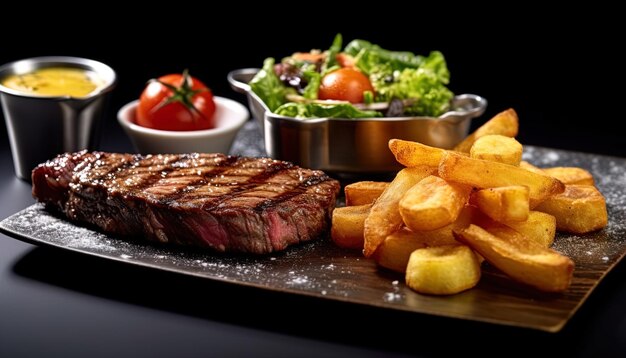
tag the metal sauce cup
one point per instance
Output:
(41, 127)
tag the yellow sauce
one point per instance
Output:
(55, 81)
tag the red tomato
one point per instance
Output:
(345, 84)
(176, 103)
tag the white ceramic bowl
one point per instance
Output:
(230, 116)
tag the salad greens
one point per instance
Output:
(370, 56)
(291, 87)
(311, 89)
(426, 83)
(316, 110)
(268, 86)
(330, 62)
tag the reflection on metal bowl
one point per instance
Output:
(353, 146)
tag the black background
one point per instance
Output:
(558, 69)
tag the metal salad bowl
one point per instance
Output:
(353, 146)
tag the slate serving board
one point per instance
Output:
(324, 271)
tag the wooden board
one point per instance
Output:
(324, 271)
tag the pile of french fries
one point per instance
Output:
(449, 210)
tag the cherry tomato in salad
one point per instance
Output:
(176, 102)
(345, 84)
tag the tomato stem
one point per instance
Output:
(183, 94)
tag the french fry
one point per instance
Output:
(411, 154)
(526, 165)
(500, 230)
(579, 209)
(444, 235)
(384, 218)
(521, 259)
(433, 203)
(506, 203)
(364, 192)
(442, 270)
(437, 237)
(504, 123)
(394, 252)
(540, 227)
(347, 226)
(497, 148)
(485, 174)
(570, 175)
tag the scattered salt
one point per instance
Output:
(298, 280)
(392, 297)
(293, 268)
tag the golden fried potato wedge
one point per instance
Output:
(411, 154)
(384, 218)
(364, 192)
(442, 270)
(433, 203)
(505, 203)
(500, 230)
(540, 227)
(438, 237)
(570, 175)
(526, 165)
(417, 239)
(522, 259)
(394, 252)
(444, 235)
(485, 174)
(347, 226)
(504, 123)
(497, 148)
(579, 209)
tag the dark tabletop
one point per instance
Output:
(54, 303)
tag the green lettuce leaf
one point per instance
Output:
(330, 62)
(368, 57)
(402, 75)
(268, 86)
(421, 85)
(314, 80)
(315, 110)
(436, 63)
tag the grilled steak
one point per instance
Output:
(234, 204)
